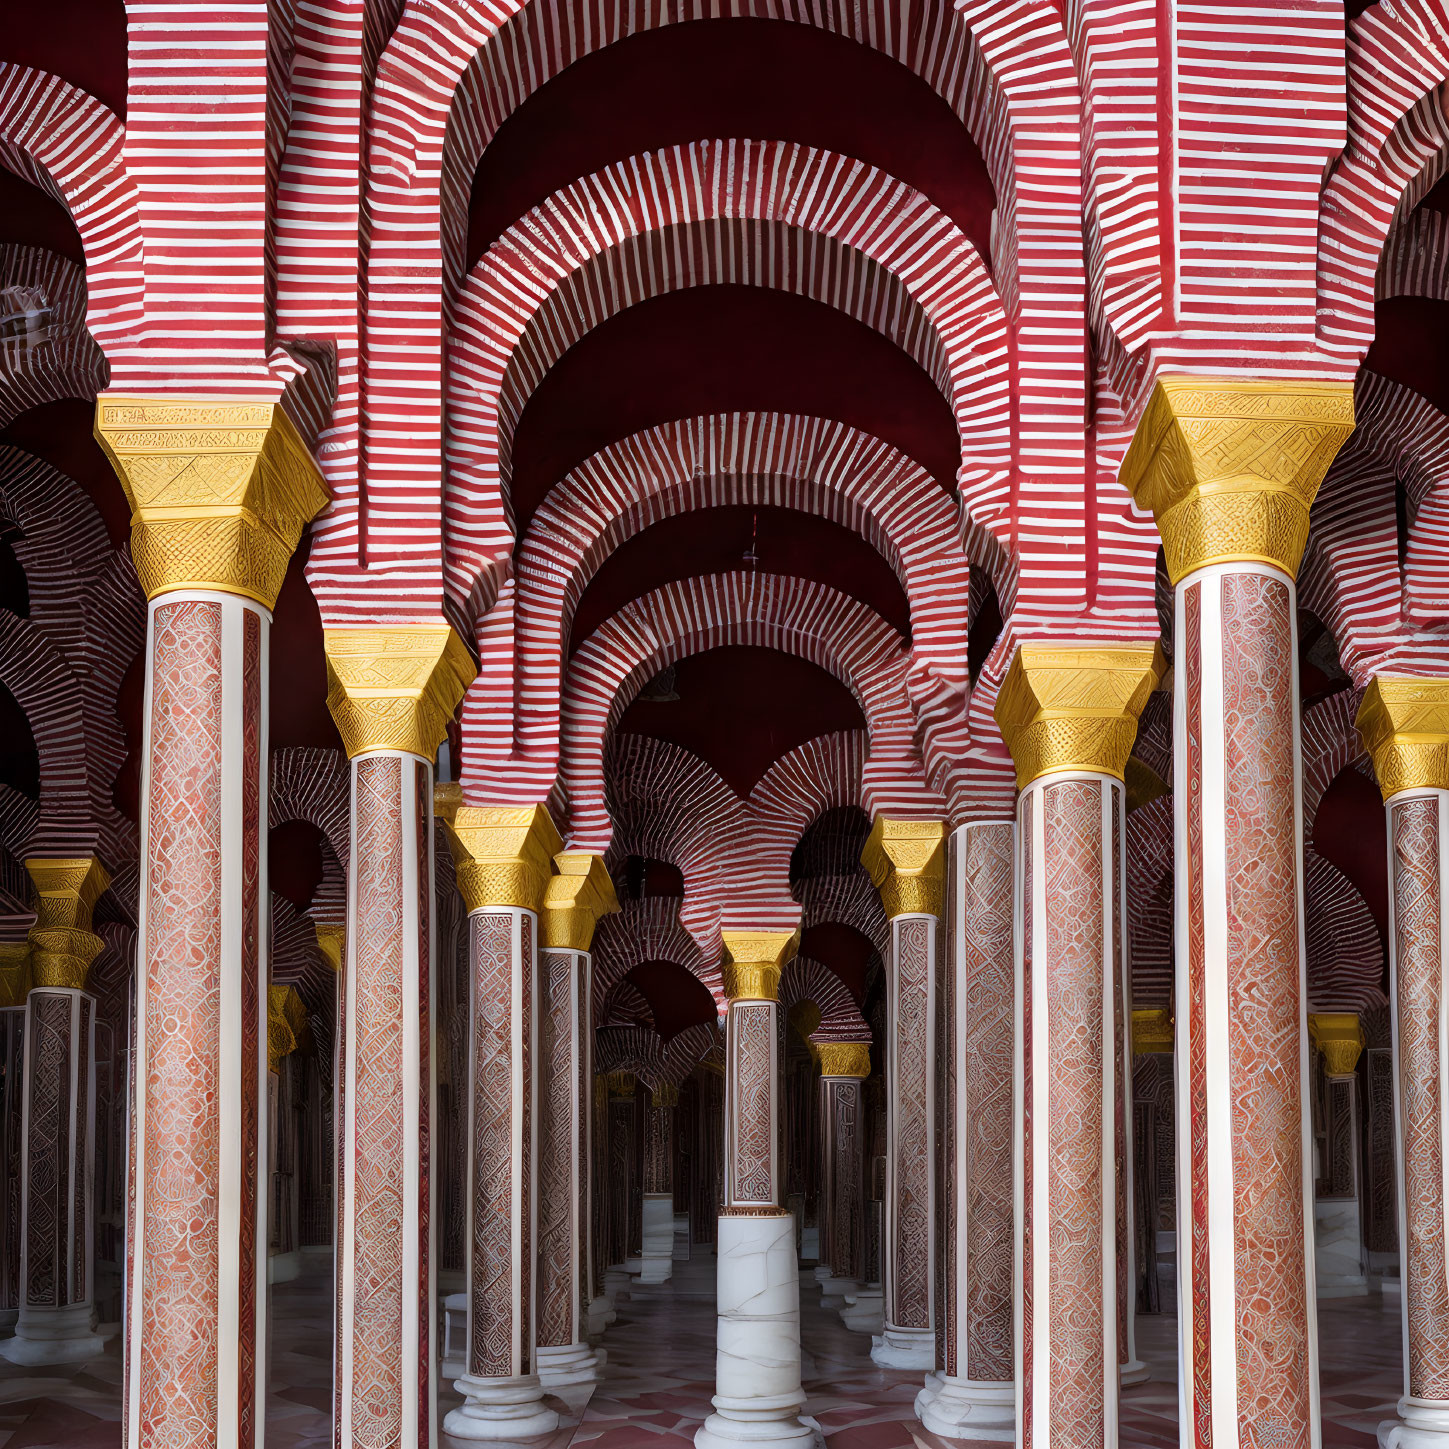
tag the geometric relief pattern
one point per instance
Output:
(12, 1049)
(843, 1178)
(559, 1095)
(48, 1149)
(910, 1305)
(1264, 1010)
(752, 1028)
(659, 1149)
(1077, 1038)
(1419, 983)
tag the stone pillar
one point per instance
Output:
(575, 897)
(1229, 468)
(1069, 716)
(907, 862)
(1131, 1370)
(1339, 1254)
(392, 691)
(504, 859)
(1405, 724)
(975, 1397)
(219, 492)
(599, 1292)
(843, 1067)
(757, 1396)
(658, 1226)
(14, 987)
(57, 1150)
(620, 1173)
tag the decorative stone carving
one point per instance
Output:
(1405, 727)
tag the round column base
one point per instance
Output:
(1422, 1424)
(564, 1364)
(633, 1266)
(837, 1292)
(905, 1348)
(1129, 1375)
(510, 1408)
(722, 1432)
(616, 1284)
(822, 1273)
(656, 1270)
(54, 1335)
(865, 1312)
(928, 1391)
(600, 1314)
(963, 1409)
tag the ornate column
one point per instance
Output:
(658, 1226)
(1340, 1259)
(1405, 724)
(907, 862)
(1069, 716)
(504, 859)
(975, 1397)
(599, 1291)
(575, 897)
(219, 492)
(14, 987)
(1229, 468)
(392, 691)
(844, 1065)
(620, 1173)
(757, 1375)
(57, 1148)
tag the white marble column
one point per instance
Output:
(757, 1396)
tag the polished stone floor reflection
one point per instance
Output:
(660, 1370)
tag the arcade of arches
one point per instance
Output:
(724, 722)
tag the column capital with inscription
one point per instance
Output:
(62, 944)
(845, 1059)
(503, 855)
(220, 490)
(906, 860)
(753, 962)
(1404, 723)
(395, 686)
(1229, 466)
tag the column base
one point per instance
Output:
(928, 1391)
(719, 1432)
(599, 1315)
(865, 1312)
(565, 1364)
(1129, 1375)
(1422, 1424)
(505, 1409)
(963, 1409)
(284, 1267)
(836, 1292)
(656, 1263)
(905, 1348)
(8, 1317)
(54, 1335)
(616, 1283)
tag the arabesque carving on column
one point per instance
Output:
(906, 860)
(1404, 723)
(1229, 467)
(62, 944)
(220, 490)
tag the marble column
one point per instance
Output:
(220, 491)
(576, 896)
(844, 1066)
(1229, 468)
(907, 863)
(504, 859)
(975, 1396)
(1405, 724)
(392, 691)
(14, 987)
(1069, 716)
(757, 1396)
(57, 1317)
(658, 1204)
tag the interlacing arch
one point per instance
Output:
(642, 930)
(625, 1006)
(778, 460)
(807, 980)
(762, 213)
(635, 1049)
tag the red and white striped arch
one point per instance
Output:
(807, 980)
(781, 460)
(845, 900)
(64, 360)
(649, 929)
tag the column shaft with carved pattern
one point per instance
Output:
(1229, 468)
(907, 861)
(757, 1396)
(575, 897)
(392, 691)
(219, 492)
(658, 1199)
(844, 1066)
(1069, 716)
(1405, 724)
(976, 1395)
(14, 987)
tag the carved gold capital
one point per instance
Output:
(1404, 723)
(62, 944)
(845, 1059)
(620, 1084)
(1339, 1037)
(666, 1096)
(1151, 1030)
(578, 893)
(753, 961)
(14, 972)
(331, 939)
(286, 1024)
(395, 687)
(1074, 707)
(220, 490)
(1229, 466)
(503, 855)
(906, 860)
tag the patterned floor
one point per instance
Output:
(659, 1379)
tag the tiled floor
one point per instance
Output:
(659, 1378)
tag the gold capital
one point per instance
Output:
(14, 973)
(1229, 466)
(503, 855)
(286, 1024)
(753, 961)
(62, 944)
(1151, 1030)
(1072, 707)
(579, 892)
(619, 1084)
(220, 490)
(395, 687)
(666, 1096)
(1339, 1037)
(845, 1059)
(1404, 723)
(331, 938)
(906, 860)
